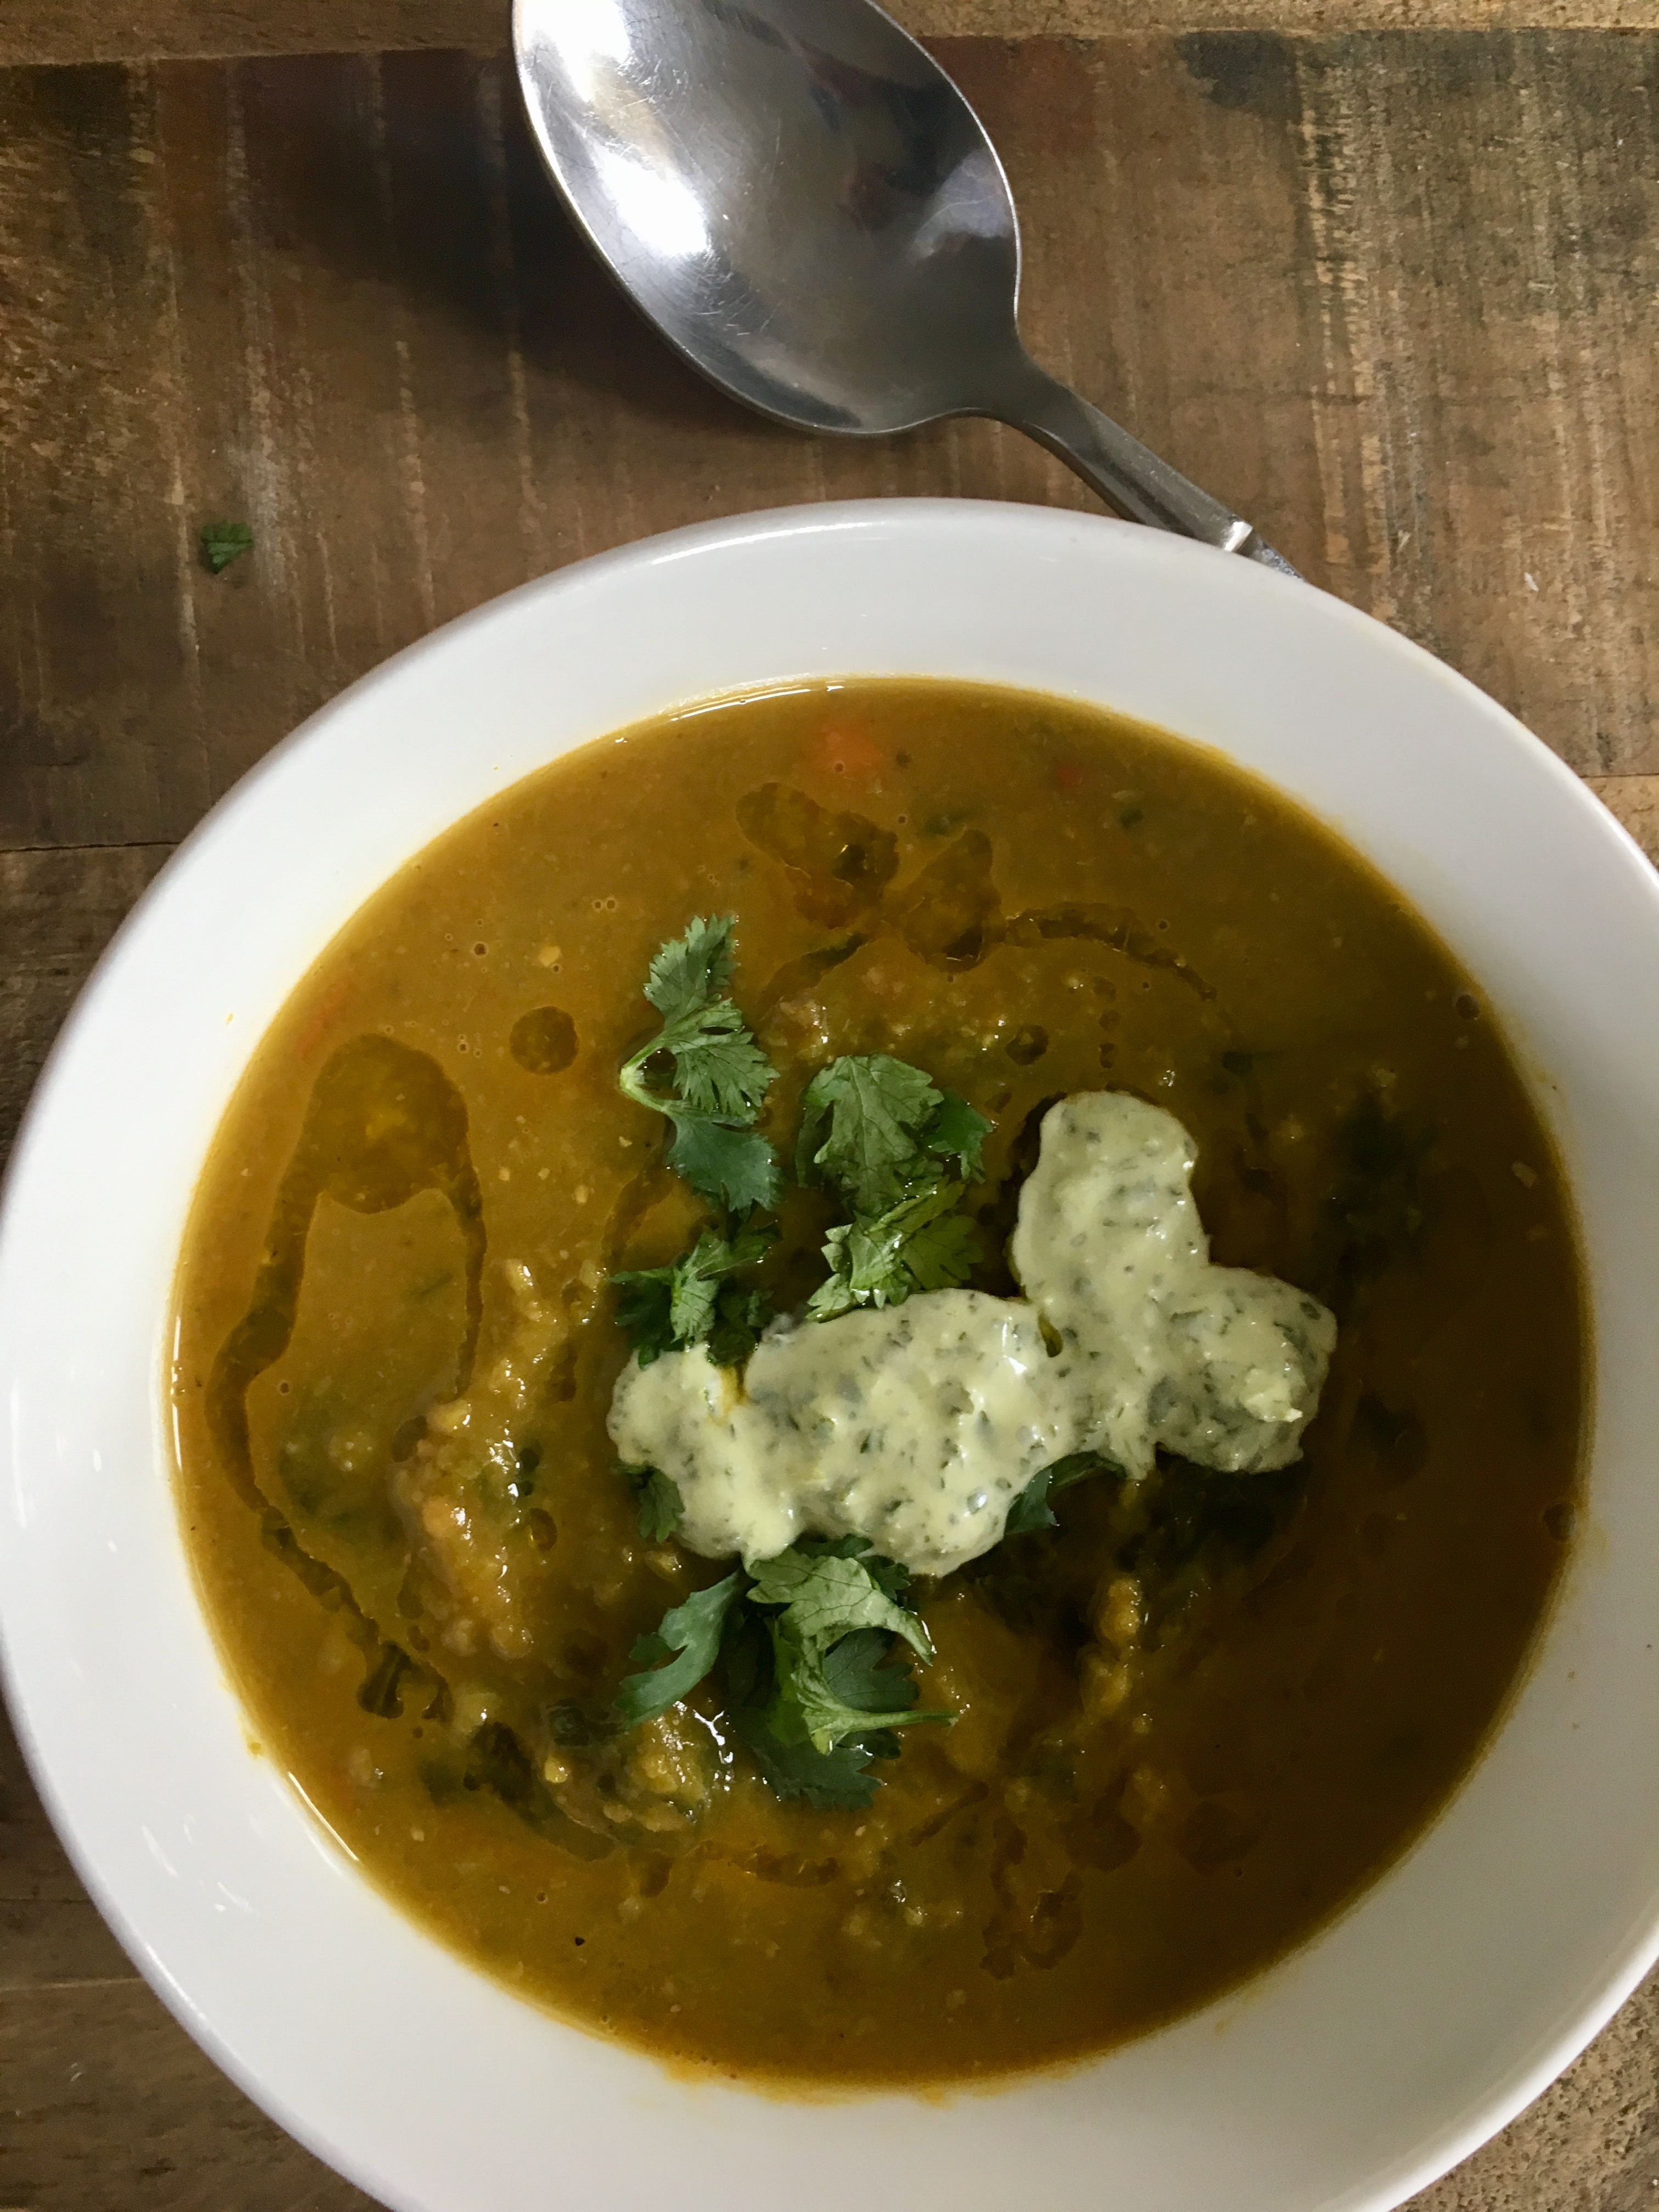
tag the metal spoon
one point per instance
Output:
(805, 205)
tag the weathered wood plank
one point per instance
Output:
(110, 2107)
(38, 31)
(33, 1870)
(58, 911)
(1397, 297)
(1590, 2144)
(50, 1931)
(1635, 800)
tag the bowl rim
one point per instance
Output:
(985, 524)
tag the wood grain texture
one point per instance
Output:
(1590, 2144)
(1635, 800)
(36, 31)
(1397, 297)
(58, 908)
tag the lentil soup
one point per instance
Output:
(1193, 1711)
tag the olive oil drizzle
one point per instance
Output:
(383, 1122)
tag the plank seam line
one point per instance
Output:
(51, 1988)
(114, 845)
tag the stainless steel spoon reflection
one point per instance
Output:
(805, 205)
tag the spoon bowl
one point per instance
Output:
(807, 208)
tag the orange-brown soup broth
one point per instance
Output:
(1132, 1810)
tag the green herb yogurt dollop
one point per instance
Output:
(918, 1426)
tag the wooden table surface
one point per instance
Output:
(1393, 294)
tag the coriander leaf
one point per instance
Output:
(739, 1316)
(880, 1262)
(828, 1596)
(737, 1168)
(690, 971)
(661, 1507)
(746, 1662)
(223, 543)
(838, 1780)
(1029, 1512)
(1033, 1509)
(835, 1294)
(665, 1308)
(859, 1676)
(692, 1630)
(721, 1070)
(749, 1247)
(878, 1132)
(957, 1133)
(697, 1278)
(861, 1122)
(720, 1076)
(1078, 1467)
(645, 1305)
(890, 1575)
(810, 1138)
(941, 1254)
(806, 1704)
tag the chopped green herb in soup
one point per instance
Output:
(880, 1385)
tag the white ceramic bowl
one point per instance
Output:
(1350, 2074)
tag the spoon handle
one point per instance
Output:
(1127, 475)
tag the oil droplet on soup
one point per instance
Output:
(544, 1041)
(1193, 1717)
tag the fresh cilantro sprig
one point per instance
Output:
(831, 1621)
(665, 1308)
(836, 1781)
(872, 1127)
(719, 1080)
(720, 1076)
(922, 1245)
(1033, 1510)
(806, 1641)
(811, 1683)
(899, 1152)
(689, 1638)
(661, 1507)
